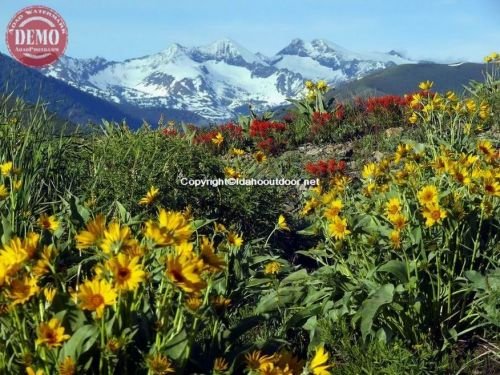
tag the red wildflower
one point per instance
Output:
(324, 168)
(169, 132)
(229, 131)
(388, 102)
(267, 145)
(264, 129)
(340, 112)
(321, 118)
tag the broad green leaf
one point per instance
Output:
(311, 230)
(371, 305)
(478, 281)
(267, 303)
(177, 345)
(397, 268)
(299, 275)
(6, 230)
(81, 341)
(202, 223)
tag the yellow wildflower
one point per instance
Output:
(150, 196)
(21, 290)
(433, 214)
(337, 228)
(237, 152)
(51, 334)
(160, 365)
(170, 229)
(6, 168)
(4, 192)
(218, 139)
(234, 239)
(255, 360)
(67, 366)
(272, 268)
(260, 157)
(127, 272)
(428, 195)
(185, 272)
(49, 223)
(95, 295)
(426, 85)
(220, 364)
(282, 225)
(318, 364)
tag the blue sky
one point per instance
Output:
(441, 30)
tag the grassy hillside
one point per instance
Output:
(402, 79)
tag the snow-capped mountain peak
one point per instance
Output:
(219, 80)
(226, 50)
(173, 51)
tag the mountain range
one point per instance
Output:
(219, 80)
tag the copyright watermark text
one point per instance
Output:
(216, 182)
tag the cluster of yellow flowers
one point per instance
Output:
(184, 267)
(218, 139)
(257, 363)
(25, 263)
(492, 57)
(285, 363)
(313, 89)
(9, 179)
(472, 176)
(328, 205)
(426, 104)
(237, 162)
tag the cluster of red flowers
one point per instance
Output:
(388, 102)
(205, 137)
(321, 118)
(169, 132)
(268, 145)
(340, 112)
(229, 131)
(325, 168)
(265, 129)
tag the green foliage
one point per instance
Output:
(361, 267)
(38, 146)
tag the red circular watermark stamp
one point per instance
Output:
(36, 36)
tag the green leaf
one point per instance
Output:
(397, 268)
(80, 342)
(478, 281)
(202, 223)
(257, 282)
(300, 275)
(177, 345)
(371, 305)
(311, 230)
(6, 230)
(122, 211)
(416, 235)
(79, 214)
(381, 335)
(272, 300)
